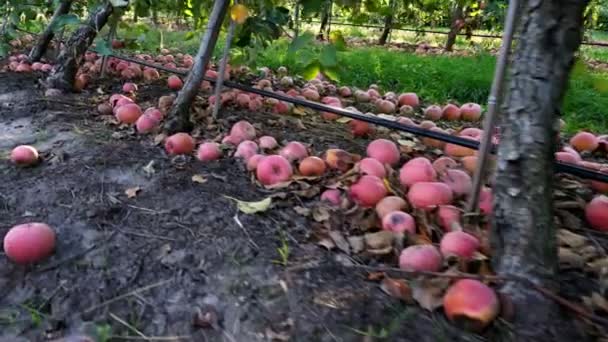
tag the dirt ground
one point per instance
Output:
(178, 260)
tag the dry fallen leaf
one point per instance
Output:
(344, 119)
(397, 288)
(320, 214)
(132, 192)
(357, 244)
(199, 179)
(379, 240)
(428, 292)
(327, 243)
(159, 138)
(252, 207)
(567, 258)
(598, 265)
(570, 239)
(302, 210)
(340, 241)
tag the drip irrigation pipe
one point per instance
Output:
(472, 144)
(480, 35)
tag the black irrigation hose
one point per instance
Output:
(440, 32)
(559, 166)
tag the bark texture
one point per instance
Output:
(524, 235)
(457, 21)
(180, 113)
(47, 35)
(388, 23)
(71, 55)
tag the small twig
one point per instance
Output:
(115, 299)
(400, 272)
(129, 326)
(143, 209)
(238, 222)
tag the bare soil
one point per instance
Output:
(178, 259)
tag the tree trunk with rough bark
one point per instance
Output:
(179, 117)
(388, 23)
(47, 35)
(324, 22)
(457, 22)
(524, 236)
(71, 56)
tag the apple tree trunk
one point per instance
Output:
(388, 23)
(179, 117)
(457, 21)
(523, 234)
(47, 35)
(72, 54)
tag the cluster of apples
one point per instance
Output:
(126, 111)
(582, 144)
(20, 63)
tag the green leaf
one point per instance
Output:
(65, 20)
(103, 48)
(252, 207)
(311, 7)
(189, 35)
(329, 56)
(337, 39)
(331, 73)
(300, 42)
(4, 49)
(311, 70)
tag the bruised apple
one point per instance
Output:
(420, 258)
(242, 130)
(29, 242)
(341, 160)
(312, 166)
(408, 99)
(24, 155)
(470, 111)
(294, 151)
(273, 169)
(460, 244)
(367, 191)
(448, 216)
(458, 180)
(442, 164)
(427, 195)
(359, 128)
(451, 112)
(389, 204)
(584, 141)
(246, 149)
(332, 196)
(471, 303)
(399, 222)
(128, 113)
(383, 150)
(596, 213)
(146, 123)
(371, 166)
(252, 163)
(174, 82)
(268, 143)
(417, 170)
(433, 112)
(208, 151)
(179, 143)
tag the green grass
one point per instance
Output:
(443, 78)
